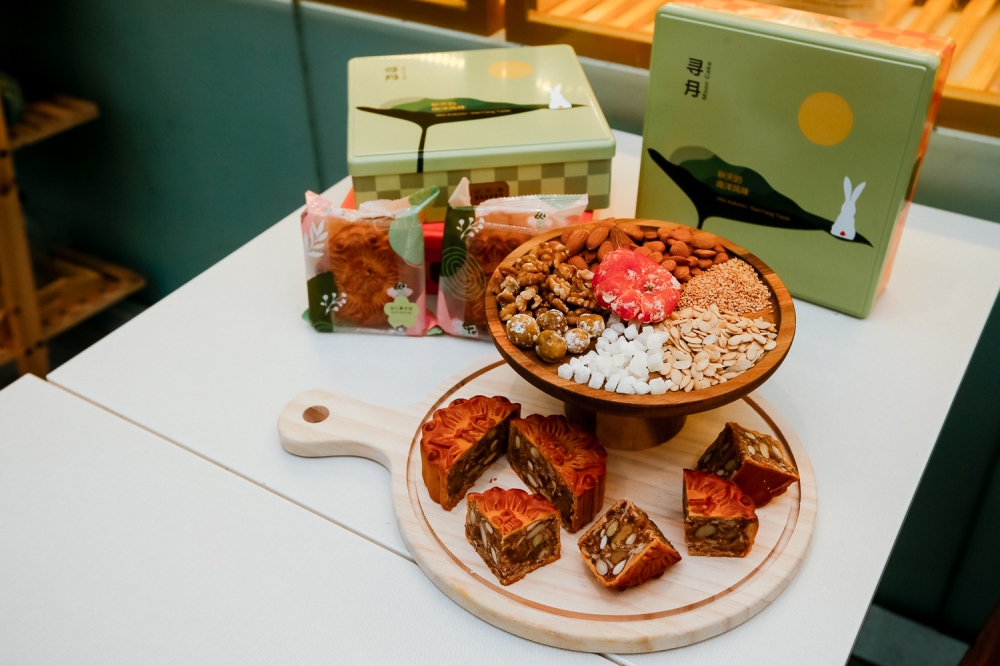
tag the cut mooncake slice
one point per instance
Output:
(562, 462)
(719, 520)
(460, 441)
(756, 462)
(514, 532)
(624, 548)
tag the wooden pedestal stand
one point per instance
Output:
(635, 422)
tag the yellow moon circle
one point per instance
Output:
(826, 118)
(510, 69)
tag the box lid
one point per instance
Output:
(758, 116)
(471, 109)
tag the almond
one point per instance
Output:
(719, 248)
(645, 251)
(579, 263)
(705, 254)
(564, 236)
(704, 240)
(656, 246)
(576, 240)
(705, 263)
(632, 231)
(721, 258)
(657, 257)
(606, 247)
(589, 255)
(679, 249)
(608, 222)
(695, 271)
(682, 273)
(597, 236)
(669, 264)
(620, 239)
(682, 234)
(649, 235)
(663, 233)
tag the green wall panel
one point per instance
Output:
(950, 529)
(203, 140)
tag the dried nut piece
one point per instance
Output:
(704, 240)
(597, 236)
(551, 320)
(579, 263)
(682, 234)
(602, 251)
(633, 231)
(620, 239)
(550, 346)
(522, 330)
(679, 249)
(656, 246)
(576, 241)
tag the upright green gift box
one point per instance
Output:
(795, 135)
(513, 121)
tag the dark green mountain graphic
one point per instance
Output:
(429, 112)
(719, 189)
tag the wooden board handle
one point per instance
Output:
(321, 423)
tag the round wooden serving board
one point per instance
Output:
(672, 403)
(562, 604)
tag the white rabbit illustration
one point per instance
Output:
(556, 99)
(843, 227)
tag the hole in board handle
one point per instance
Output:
(315, 414)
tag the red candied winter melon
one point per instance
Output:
(634, 286)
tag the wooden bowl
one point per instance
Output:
(673, 403)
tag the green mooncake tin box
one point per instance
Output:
(513, 121)
(795, 135)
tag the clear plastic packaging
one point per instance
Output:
(478, 238)
(365, 268)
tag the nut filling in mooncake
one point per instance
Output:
(756, 462)
(624, 548)
(719, 520)
(460, 441)
(514, 532)
(562, 462)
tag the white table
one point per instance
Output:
(211, 365)
(121, 548)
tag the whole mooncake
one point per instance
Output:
(513, 531)
(460, 441)
(562, 462)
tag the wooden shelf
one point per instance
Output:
(482, 17)
(622, 31)
(50, 117)
(85, 286)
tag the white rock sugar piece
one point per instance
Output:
(618, 328)
(627, 348)
(657, 386)
(618, 361)
(610, 334)
(565, 371)
(596, 380)
(641, 388)
(614, 319)
(604, 365)
(612, 383)
(626, 385)
(582, 375)
(631, 333)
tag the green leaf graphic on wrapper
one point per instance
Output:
(406, 236)
(429, 112)
(696, 171)
(320, 287)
